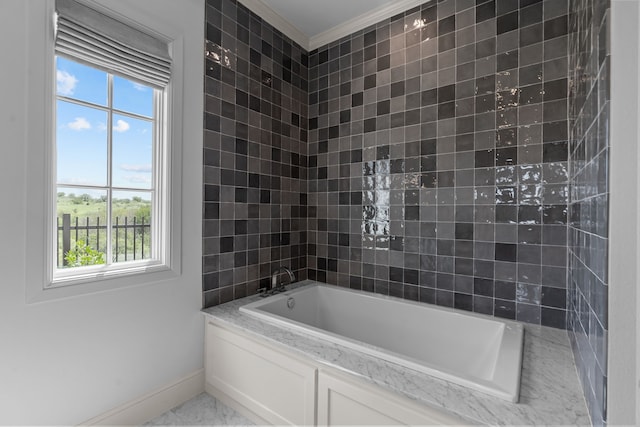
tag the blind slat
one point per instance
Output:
(93, 38)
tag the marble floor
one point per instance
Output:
(202, 410)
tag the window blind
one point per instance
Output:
(91, 37)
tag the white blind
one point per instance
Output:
(96, 39)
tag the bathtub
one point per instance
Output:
(474, 351)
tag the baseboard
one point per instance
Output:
(149, 406)
(235, 405)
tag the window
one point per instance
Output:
(110, 148)
(176, 60)
(106, 136)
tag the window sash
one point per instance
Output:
(66, 276)
(98, 40)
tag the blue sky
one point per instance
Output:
(81, 132)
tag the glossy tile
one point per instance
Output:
(585, 214)
(474, 113)
(442, 152)
(255, 157)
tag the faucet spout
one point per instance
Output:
(277, 273)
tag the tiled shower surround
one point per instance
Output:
(436, 164)
(589, 62)
(438, 158)
(255, 164)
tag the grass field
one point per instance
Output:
(89, 211)
(83, 206)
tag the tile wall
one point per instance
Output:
(437, 162)
(255, 153)
(431, 156)
(589, 62)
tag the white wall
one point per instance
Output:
(67, 360)
(624, 229)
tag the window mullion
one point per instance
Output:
(158, 200)
(82, 103)
(155, 209)
(133, 115)
(109, 236)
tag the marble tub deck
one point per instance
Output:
(549, 390)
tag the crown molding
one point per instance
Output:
(360, 22)
(261, 9)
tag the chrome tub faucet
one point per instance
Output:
(279, 287)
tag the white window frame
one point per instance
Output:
(42, 283)
(70, 276)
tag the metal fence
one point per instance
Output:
(128, 237)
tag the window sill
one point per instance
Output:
(89, 274)
(96, 282)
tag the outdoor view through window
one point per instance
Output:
(105, 128)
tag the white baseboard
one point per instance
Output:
(149, 406)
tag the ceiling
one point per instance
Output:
(314, 23)
(313, 17)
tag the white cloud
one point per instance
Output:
(80, 123)
(121, 126)
(136, 168)
(140, 87)
(138, 179)
(65, 83)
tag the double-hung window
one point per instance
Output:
(110, 145)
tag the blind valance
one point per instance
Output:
(96, 39)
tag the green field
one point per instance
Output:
(83, 206)
(85, 210)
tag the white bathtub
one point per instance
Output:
(471, 350)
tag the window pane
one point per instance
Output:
(132, 153)
(81, 227)
(81, 142)
(131, 225)
(132, 97)
(80, 82)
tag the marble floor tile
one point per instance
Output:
(202, 410)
